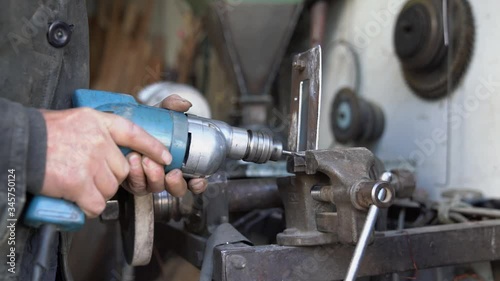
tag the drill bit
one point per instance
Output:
(292, 153)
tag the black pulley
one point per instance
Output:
(354, 119)
(434, 47)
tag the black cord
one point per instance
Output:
(41, 263)
(65, 271)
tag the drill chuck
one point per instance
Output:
(262, 148)
(211, 141)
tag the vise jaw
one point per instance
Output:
(327, 200)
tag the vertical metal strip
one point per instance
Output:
(306, 67)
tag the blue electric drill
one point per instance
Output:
(198, 146)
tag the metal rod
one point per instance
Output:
(248, 194)
(475, 211)
(291, 153)
(364, 238)
(359, 252)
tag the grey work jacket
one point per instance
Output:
(33, 74)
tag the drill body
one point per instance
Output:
(198, 146)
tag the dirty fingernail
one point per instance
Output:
(167, 157)
(173, 173)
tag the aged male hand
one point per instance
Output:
(84, 164)
(147, 175)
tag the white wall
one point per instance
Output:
(446, 146)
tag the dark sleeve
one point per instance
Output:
(23, 148)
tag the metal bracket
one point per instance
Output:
(310, 221)
(224, 234)
(391, 251)
(300, 207)
(306, 98)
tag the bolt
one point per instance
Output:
(322, 193)
(316, 194)
(299, 65)
(239, 262)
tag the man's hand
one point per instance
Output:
(147, 175)
(84, 164)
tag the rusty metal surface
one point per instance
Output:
(332, 213)
(301, 209)
(224, 234)
(305, 100)
(250, 194)
(392, 251)
(404, 182)
(345, 167)
(300, 212)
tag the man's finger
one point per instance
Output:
(106, 182)
(175, 102)
(136, 181)
(154, 175)
(93, 203)
(176, 185)
(117, 163)
(127, 134)
(197, 186)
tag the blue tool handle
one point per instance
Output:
(66, 216)
(167, 126)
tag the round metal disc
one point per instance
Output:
(137, 227)
(431, 66)
(345, 116)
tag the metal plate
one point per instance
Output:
(305, 101)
